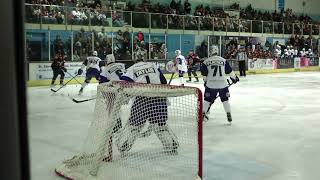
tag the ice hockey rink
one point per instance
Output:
(274, 134)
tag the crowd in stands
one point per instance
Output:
(296, 46)
(93, 10)
(54, 11)
(49, 12)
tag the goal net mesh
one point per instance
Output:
(141, 131)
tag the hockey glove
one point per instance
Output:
(80, 71)
(234, 81)
(64, 69)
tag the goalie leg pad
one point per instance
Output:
(127, 137)
(167, 137)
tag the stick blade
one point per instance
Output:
(81, 101)
(53, 90)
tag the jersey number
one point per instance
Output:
(216, 68)
(148, 79)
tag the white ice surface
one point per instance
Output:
(275, 134)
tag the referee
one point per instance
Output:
(242, 57)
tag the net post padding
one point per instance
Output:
(99, 157)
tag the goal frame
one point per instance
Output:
(199, 95)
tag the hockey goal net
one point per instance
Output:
(141, 131)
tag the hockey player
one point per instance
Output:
(151, 109)
(93, 66)
(58, 68)
(193, 65)
(214, 70)
(112, 71)
(181, 65)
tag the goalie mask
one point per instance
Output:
(110, 59)
(214, 50)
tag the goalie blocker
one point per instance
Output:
(136, 104)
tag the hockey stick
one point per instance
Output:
(172, 74)
(74, 78)
(63, 85)
(81, 101)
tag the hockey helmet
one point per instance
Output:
(214, 50)
(110, 58)
(95, 53)
(177, 52)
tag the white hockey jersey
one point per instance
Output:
(113, 71)
(144, 72)
(182, 63)
(215, 69)
(93, 62)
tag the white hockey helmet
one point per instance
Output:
(110, 58)
(309, 50)
(177, 52)
(214, 50)
(95, 53)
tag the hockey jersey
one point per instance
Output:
(112, 72)
(181, 63)
(215, 69)
(93, 62)
(144, 72)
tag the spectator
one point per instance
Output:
(58, 45)
(126, 39)
(173, 4)
(140, 36)
(187, 7)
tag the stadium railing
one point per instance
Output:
(63, 15)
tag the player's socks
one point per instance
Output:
(229, 117)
